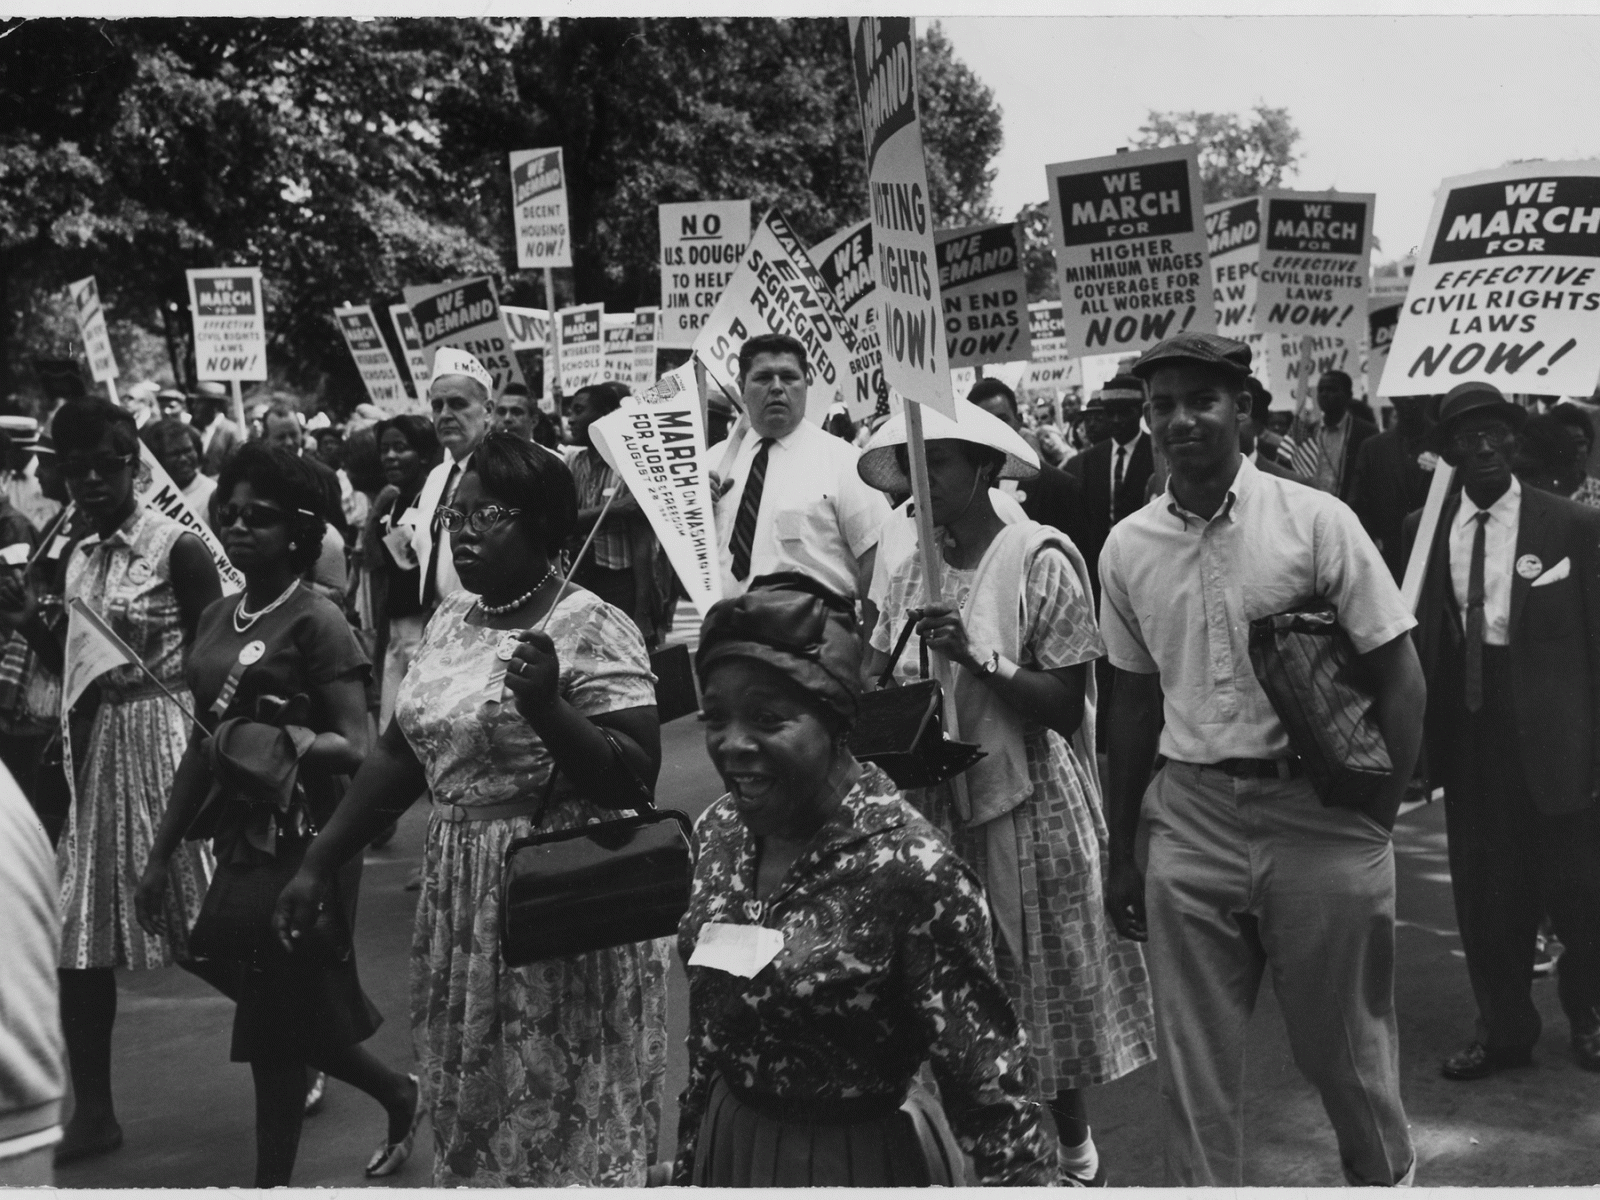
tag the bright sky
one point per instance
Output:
(1390, 105)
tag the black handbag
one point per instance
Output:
(601, 885)
(1321, 692)
(901, 729)
(235, 922)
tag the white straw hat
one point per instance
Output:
(877, 465)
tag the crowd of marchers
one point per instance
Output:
(889, 983)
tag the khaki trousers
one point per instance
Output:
(1249, 875)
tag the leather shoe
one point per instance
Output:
(1478, 1061)
(1586, 1046)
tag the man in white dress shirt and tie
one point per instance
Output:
(459, 396)
(791, 499)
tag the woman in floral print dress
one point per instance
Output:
(1018, 626)
(548, 1075)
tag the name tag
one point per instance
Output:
(737, 949)
(57, 545)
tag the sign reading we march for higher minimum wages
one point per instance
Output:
(1506, 287)
(539, 208)
(1130, 246)
(916, 361)
(230, 323)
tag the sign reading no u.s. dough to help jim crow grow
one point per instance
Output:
(1506, 287)
(702, 244)
(1130, 245)
(916, 361)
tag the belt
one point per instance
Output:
(456, 814)
(817, 1110)
(1258, 768)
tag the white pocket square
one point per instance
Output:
(1560, 571)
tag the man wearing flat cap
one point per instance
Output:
(1243, 868)
(1510, 639)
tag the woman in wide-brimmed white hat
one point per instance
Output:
(1018, 625)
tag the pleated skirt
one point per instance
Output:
(740, 1147)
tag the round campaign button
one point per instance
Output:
(139, 571)
(507, 647)
(252, 653)
(1529, 566)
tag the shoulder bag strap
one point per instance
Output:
(887, 676)
(643, 799)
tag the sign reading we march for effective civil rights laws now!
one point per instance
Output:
(1506, 287)
(539, 208)
(702, 244)
(985, 294)
(465, 313)
(230, 323)
(1130, 246)
(1315, 253)
(92, 329)
(372, 358)
(916, 361)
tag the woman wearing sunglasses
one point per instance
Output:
(279, 657)
(149, 581)
(548, 1075)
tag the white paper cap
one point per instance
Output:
(450, 361)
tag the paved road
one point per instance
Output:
(187, 1111)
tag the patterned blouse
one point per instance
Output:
(887, 962)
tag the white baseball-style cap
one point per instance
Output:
(450, 361)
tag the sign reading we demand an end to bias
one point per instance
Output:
(1506, 290)
(985, 294)
(1130, 245)
(916, 361)
(465, 314)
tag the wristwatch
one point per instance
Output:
(990, 666)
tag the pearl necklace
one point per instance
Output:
(500, 610)
(242, 620)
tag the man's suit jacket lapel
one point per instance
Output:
(427, 501)
(1533, 537)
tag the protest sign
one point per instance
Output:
(659, 451)
(372, 357)
(616, 331)
(581, 348)
(646, 326)
(465, 313)
(1383, 314)
(1130, 245)
(416, 362)
(1506, 289)
(1233, 242)
(1050, 367)
(539, 208)
(677, 382)
(702, 243)
(984, 292)
(916, 361)
(1315, 254)
(776, 289)
(1283, 359)
(153, 488)
(845, 263)
(230, 325)
(92, 329)
(526, 328)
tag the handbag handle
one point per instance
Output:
(644, 798)
(887, 676)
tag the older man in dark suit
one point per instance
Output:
(1509, 635)
(1114, 472)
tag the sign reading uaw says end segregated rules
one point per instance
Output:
(1130, 243)
(1507, 290)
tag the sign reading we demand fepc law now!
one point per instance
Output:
(1507, 289)
(1130, 244)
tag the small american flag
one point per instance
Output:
(1301, 445)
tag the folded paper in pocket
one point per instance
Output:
(1560, 571)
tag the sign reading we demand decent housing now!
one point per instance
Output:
(1506, 289)
(1130, 245)
(916, 362)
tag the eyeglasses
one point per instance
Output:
(255, 515)
(1495, 438)
(103, 465)
(481, 519)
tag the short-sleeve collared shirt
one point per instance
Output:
(817, 516)
(1178, 594)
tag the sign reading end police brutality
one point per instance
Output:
(539, 208)
(230, 326)
(1130, 245)
(465, 314)
(702, 244)
(1507, 289)
(845, 263)
(916, 361)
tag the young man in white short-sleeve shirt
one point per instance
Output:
(813, 514)
(1244, 868)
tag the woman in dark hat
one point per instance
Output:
(279, 680)
(834, 941)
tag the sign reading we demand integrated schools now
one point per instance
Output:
(1506, 290)
(1130, 246)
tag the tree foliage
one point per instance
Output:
(351, 158)
(1240, 155)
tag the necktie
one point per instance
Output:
(744, 525)
(1116, 480)
(1473, 680)
(441, 540)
